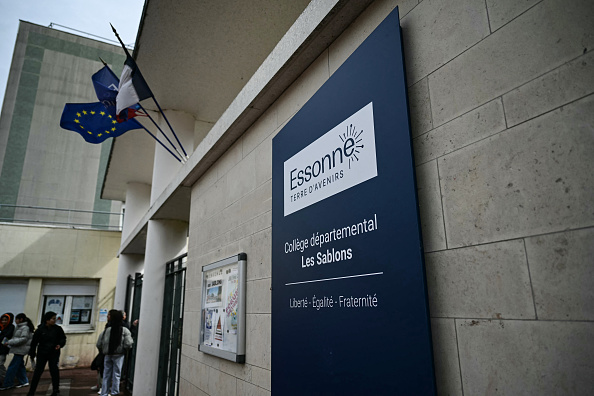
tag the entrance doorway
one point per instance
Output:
(171, 328)
(133, 296)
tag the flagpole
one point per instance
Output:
(109, 68)
(149, 116)
(164, 116)
(153, 96)
(159, 128)
(161, 143)
(120, 40)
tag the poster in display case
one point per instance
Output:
(222, 330)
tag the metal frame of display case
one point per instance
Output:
(238, 355)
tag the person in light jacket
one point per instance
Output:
(113, 342)
(19, 345)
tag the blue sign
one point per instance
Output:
(349, 299)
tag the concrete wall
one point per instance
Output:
(40, 163)
(503, 132)
(39, 254)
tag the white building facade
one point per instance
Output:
(500, 99)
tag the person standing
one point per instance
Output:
(19, 345)
(113, 342)
(48, 339)
(125, 322)
(6, 332)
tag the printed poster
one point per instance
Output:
(214, 293)
(84, 316)
(232, 299)
(218, 334)
(208, 323)
(54, 304)
(103, 315)
(82, 302)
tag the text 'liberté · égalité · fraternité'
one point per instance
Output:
(317, 303)
(330, 255)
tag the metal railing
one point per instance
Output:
(52, 24)
(46, 219)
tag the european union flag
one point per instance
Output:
(94, 122)
(106, 86)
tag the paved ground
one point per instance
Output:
(73, 382)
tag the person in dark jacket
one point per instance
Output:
(6, 331)
(48, 339)
(125, 322)
(19, 345)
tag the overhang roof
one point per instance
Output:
(224, 64)
(130, 160)
(196, 56)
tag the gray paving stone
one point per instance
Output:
(220, 383)
(569, 82)
(487, 281)
(436, 31)
(258, 296)
(503, 11)
(445, 351)
(361, 28)
(471, 127)
(540, 40)
(186, 388)
(535, 178)
(430, 207)
(562, 274)
(242, 179)
(240, 371)
(257, 350)
(420, 108)
(261, 377)
(526, 357)
(303, 88)
(248, 389)
(260, 256)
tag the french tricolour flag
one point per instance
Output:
(133, 87)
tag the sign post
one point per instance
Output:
(349, 305)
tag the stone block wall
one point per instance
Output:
(503, 135)
(502, 114)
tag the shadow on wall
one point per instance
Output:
(54, 252)
(68, 255)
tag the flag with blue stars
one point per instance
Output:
(94, 122)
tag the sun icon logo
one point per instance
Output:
(350, 139)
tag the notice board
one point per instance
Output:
(222, 325)
(349, 299)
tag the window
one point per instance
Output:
(74, 304)
(81, 309)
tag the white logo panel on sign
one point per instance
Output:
(340, 159)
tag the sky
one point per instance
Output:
(90, 17)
